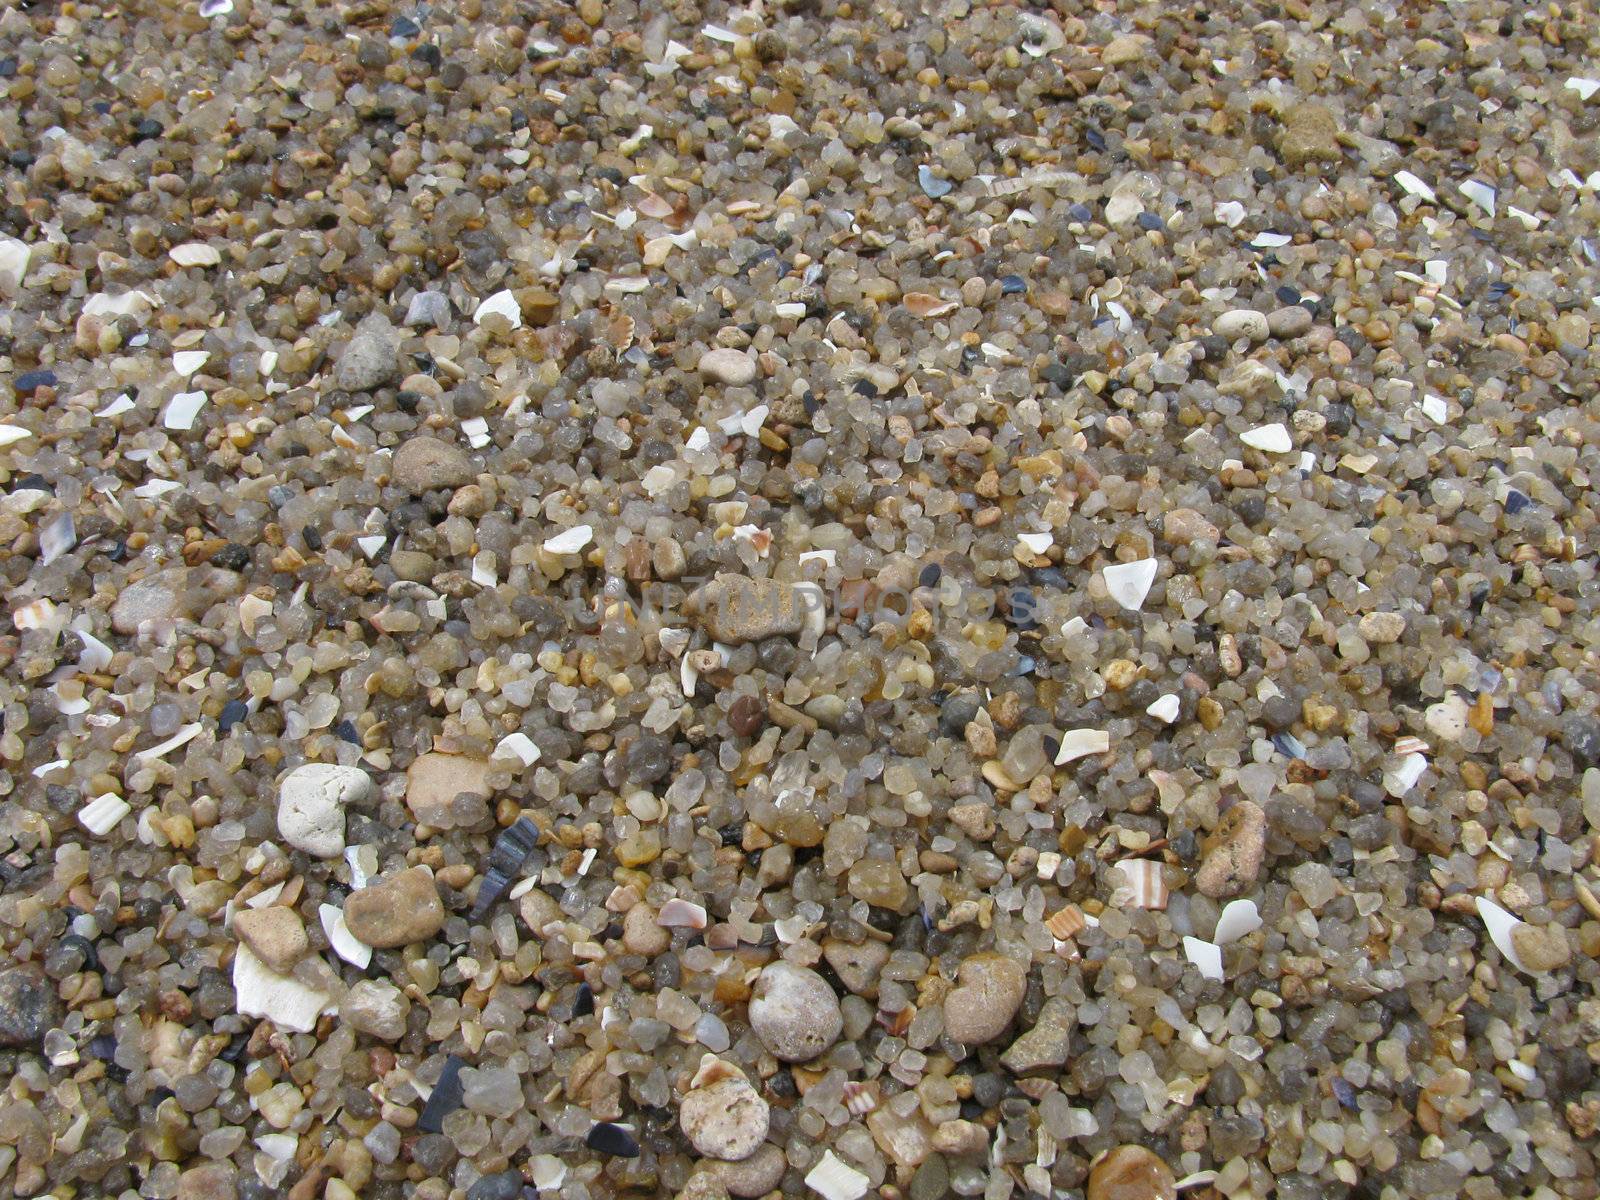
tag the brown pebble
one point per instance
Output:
(1131, 1173)
(1233, 852)
(397, 911)
(747, 716)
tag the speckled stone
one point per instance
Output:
(989, 990)
(1233, 852)
(794, 1012)
(396, 911)
(726, 1119)
(425, 464)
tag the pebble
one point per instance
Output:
(1382, 628)
(1241, 323)
(311, 804)
(1129, 48)
(1541, 947)
(754, 1175)
(371, 358)
(1045, 1046)
(1184, 527)
(737, 608)
(641, 934)
(376, 1007)
(396, 911)
(732, 367)
(726, 1119)
(858, 965)
(1291, 321)
(989, 990)
(28, 1006)
(1310, 134)
(434, 782)
(1233, 851)
(276, 934)
(426, 464)
(209, 1181)
(794, 1012)
(173, 594)
(878, 882)
(1131, 1173)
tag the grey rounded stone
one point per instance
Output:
(794, 1012)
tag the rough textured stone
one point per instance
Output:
(737, 608)
(1047, 1043)
(1233, 851)
(276, 934)
(174, 594)
(28, 1006)
(311, 804)
(989, 990)
(376, 1007)
(434, 781)
(371, 358)
(726, 1119)
(1131, 1173)
(794, 1012)
(425, 464)
(396, 911)
(1310, 134)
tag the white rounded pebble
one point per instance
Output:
(794, 1012)
(1164, 708)
(726, 1119)
(1272, 439)
(311, 801)
(732, 367)
(1241, 323)
(1129, 583)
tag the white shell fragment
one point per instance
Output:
(1584, 87)
(100, 815)
(1038, 543)
(345, 944)
(1145, 888)
(14, 256)
(834, 1179)
(195, 254)
(187, 362)
(210, 9)
(311, 803)
(1501, 925)
(1129, 583)
(518, 746)
(1479, 193)
(1230, 213)
(679, 913)
(1270, 439)
(1415, 186)
(1165, 708)
(57, 537)
(1205, 955)
(1435, 409)
(183, 409)
(262, 992)
(503, 304)
(569, 541)
(1239, 918)
(11, 434)
(1079, 743)
(182, 738)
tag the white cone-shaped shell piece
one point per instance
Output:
(1501, 925)
(1239, 919)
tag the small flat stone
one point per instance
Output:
(755, 1175)
(857, 966)
(732, 367)
(878, 882)
(726, 1119)
(1131, 1173)
(1541, 947)
(170, 595)
(311, 804)
(397, 911)
(738, 608)
(989, 990)
(276, 934)
(1310, 134)
(434, 782)
(1233, 851)
(1044, 1046)
(29, 1006)
(794, 1012)
(1291, 321)
(425, 464)
(1241, 323)
(371, 358)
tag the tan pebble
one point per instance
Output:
(1131, 1173)
(1233, 852)
(989, 990)
(1541, 947)
(397, 911)
(276, 934)
(641, 934)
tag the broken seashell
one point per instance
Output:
(921, 304)
(833, 1179)
(1079, 743)
(1146, 888)
(1066, 922)
(1040, 36)
(1239, 918)
(1130, 583)
(713, 1070)
(569, 541)
(1205, 955)
(679, 913)
(860, 1098)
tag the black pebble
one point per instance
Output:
(1080, 212)
(1058, 375)
(865, 387)
(930, 575)
(613, 1140)
(1287, 295)
(232, 713)
(31, 483)
(146, 128)
(346, 729)
(31, 381)
(1095, 138)
(404, 27)
(1151, 222)
(312, 539)
(428, 54)
(233, 556)
(8, 67)
(1013, 285)
(1516, 502)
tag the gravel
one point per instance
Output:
(906, 511)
